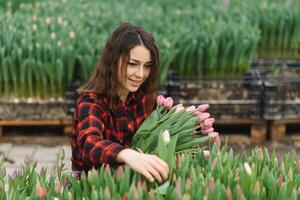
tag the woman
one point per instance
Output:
(115, 101)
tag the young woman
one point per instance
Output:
(115, 101)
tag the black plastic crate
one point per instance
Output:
(281, 98)
(229, 98)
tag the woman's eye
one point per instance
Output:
(133, 64)
(148, 66)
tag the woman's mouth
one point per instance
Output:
(135, 82)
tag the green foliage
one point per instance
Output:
(40, 41)
(221, 176)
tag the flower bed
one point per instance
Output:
(220, 175)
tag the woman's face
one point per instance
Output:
(138, 70)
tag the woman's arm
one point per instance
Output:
(90, 139)
(150, 166)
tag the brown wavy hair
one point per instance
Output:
(118, 46)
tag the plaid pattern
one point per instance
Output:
(100, 133)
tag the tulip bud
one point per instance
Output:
(27, 161)
(211, 184)
(125, 197)
(209, 122)
(43, 171)
(152, 194)
(166, 137)
(203, 116)
(14, 174)
(256, 189)
(107, 169)
(202, 107)
(107, 194)
(61, 154)
(228, 193)
(239, 190)
(191, 109)
(214, 163)
(207, 130)
(178, 109)
(206, 154)
(160, 100)
(247, 168)
(279, 181)
(3, 171)
(178, 189)
(260, 154)
(168, 102)
(41, 192)
(58, 187)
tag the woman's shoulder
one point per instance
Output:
(92, 97)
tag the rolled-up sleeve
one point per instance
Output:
(91, 134)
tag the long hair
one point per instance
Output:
(118, 46)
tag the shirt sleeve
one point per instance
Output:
(91, 127)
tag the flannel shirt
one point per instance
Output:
(100, 133)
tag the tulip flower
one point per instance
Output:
(168, 102)
(259, 153)
(166, 137)
(208, 122)
(58, 187)
(247, 168)
(215, 137)
(14, 174)
(206, 154)
(228, 193)
(160, 100)
(41, 192)
(191, 109)
(202, 107)
(203, 116)
(207, 130)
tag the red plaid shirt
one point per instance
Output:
(100, 133)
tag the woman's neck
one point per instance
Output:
(123, 94)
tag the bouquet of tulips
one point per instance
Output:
(171, 129)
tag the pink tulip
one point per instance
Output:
(191, 109)
(168, 102)
(209, 122)
(228, 193)
(178, 108)
(41, 192)
(211, 184)
(58, 187)
(202, 107)
(215, 137)
(160, 99)
(206, 154)
(207, 130)
(260, 153)
(203, 116)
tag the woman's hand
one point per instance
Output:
(150, 166)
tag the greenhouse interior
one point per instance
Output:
(161, 99)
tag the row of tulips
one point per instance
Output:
(42, 42)
(218, 174)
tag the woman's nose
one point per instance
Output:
(140, 72)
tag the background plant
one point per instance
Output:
(43, 43)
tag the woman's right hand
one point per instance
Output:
(150, 166)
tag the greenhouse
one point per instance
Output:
(161, 99)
